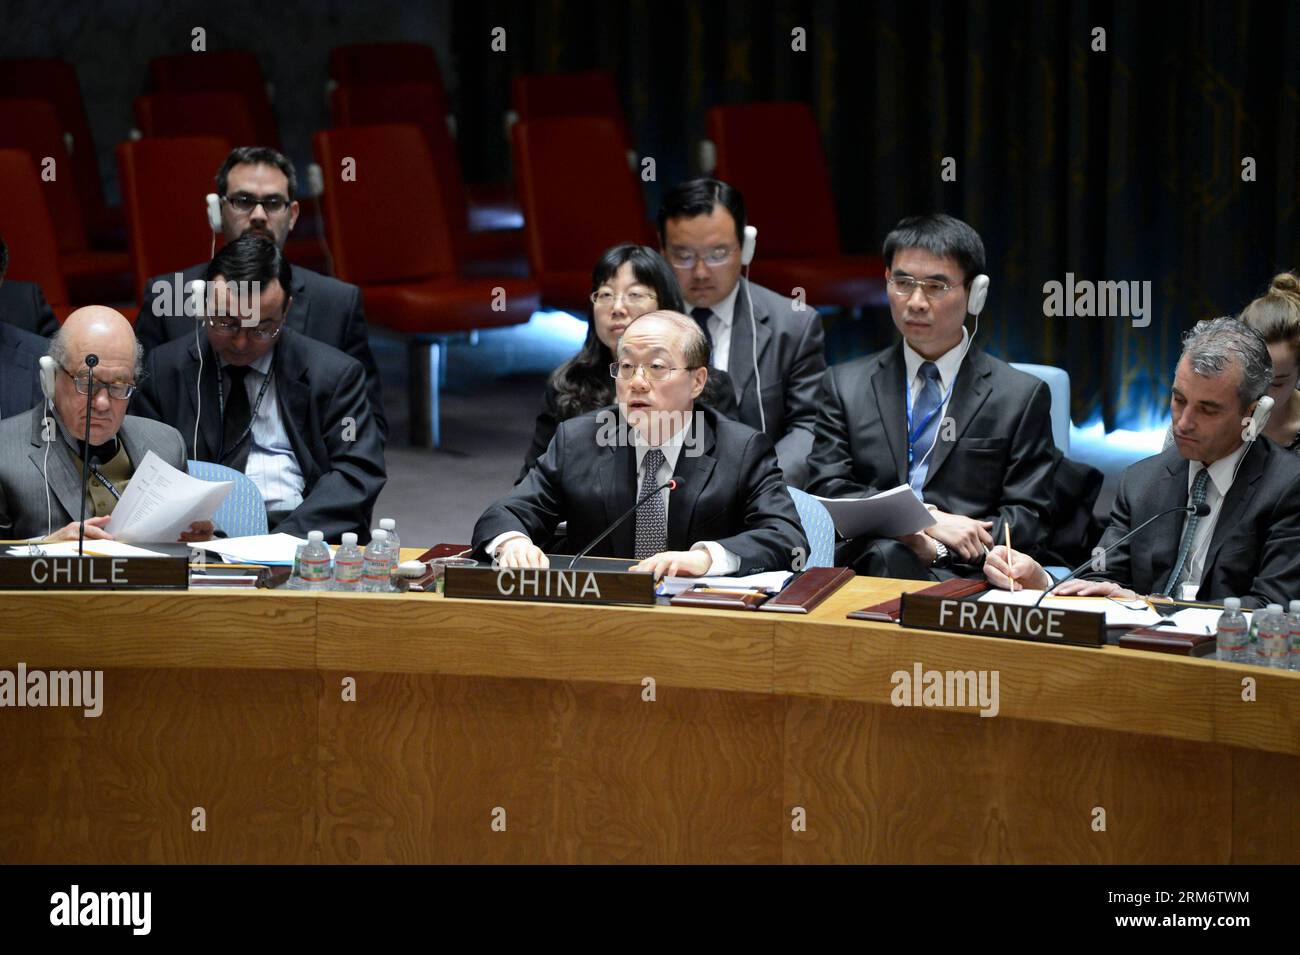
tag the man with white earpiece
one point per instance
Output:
(771, 347)
(93, 359)
(969, 433)
(1223, 503)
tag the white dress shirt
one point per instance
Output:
(720, 323)
(1222, 472)
(723, 561)
(949, 363)
(272, 465)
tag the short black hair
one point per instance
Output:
(252, 258)
(697, 197)
(4, 258)
(257, 156)
(940, 235)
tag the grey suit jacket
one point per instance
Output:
(20, 355)
(1254, 552)
(22, 462)
(791, 362)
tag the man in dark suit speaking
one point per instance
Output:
(731, 514)
(288, 411)
(257, 189)
(772, 347)
(969, 433)
(1248, 544)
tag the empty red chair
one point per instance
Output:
(390, 234)
(420, 103)
(196, 113)
(232, 72)
(360, 64)
(92, 275)
(28, 229)
(579, 198)
(164, 182)
(56, 81)
(551, 95)
(788, 199)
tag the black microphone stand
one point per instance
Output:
(91, 362)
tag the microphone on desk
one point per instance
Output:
(1200, 510)
(672, 484)
(91, 362)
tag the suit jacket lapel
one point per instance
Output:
(64, 480)
(618, 490)
(740, 361)
(968, 395)
(293, 393)
(301, 306)
(210, 424)
(694, 470)
(1234, 502)
(1160, 549)
(888, 384)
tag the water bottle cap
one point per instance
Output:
(315, 537)
(388, 524)
(1295, 606)
(379, 534)
(1232, 603)
(1274, 608)
(349, 539)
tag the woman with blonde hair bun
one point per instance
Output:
(1276, 316)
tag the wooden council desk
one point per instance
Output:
(532, 715)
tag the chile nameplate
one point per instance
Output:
(555, 585)
(94, 573)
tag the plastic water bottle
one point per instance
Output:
(394, 543)
(377, 571)
(348, 564)
(1274, 639)
(1293, 626)
(1232, 631)
(315, 562)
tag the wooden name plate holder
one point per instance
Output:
(1039, 624)
(94, 573)
(555, 585)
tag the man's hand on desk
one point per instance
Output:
(520, 552)
(199, 531)
(922, 546)
(676, 563)
(1094, 588)
(1028, 573)
(966, 537)
(94, 530)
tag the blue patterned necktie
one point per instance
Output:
(927, 406)
(1189, 532)
(652, 518)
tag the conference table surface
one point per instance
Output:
(283, 726)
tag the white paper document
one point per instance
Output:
(891, 513)
(94, 548)
(258, 549)
(1119, 613)
(161, 503)
(772, 581)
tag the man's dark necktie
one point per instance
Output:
(238, 417)
(927, 405)
(1179, 573)
(701, 316)
(652, 518)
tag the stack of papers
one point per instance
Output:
(270, 549)
(771, 582)
(94, 548)
(161, 503)
(1119, 613)
(891, 513)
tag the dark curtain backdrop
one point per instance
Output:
(1116, 165)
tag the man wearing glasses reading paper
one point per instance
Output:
(288, 411)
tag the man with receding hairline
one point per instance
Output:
(731, 513)
(41, 454)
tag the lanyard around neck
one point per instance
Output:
(221, 405)
(914, 434)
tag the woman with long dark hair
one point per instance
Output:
(628, 281)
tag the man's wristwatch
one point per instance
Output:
(941, 556)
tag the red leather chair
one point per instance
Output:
(164, 182)
(56, 81)
(552, 95)
(28, 228)
(364, 64)
(92, 275)
(230, 72)
(579, 198)
(196, 113)
(788, 198)
(420, 103)
(390, 233)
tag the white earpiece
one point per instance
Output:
(747, 247)
(198, 292)
(979, 291)
(214, 212)
(747, 256)
(48, 370)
